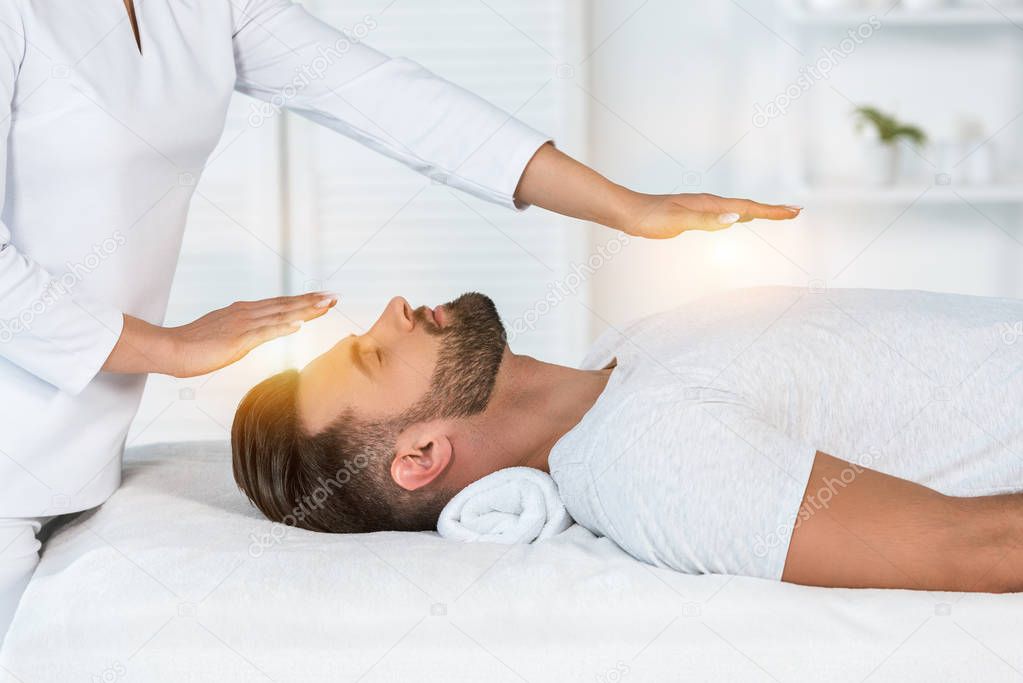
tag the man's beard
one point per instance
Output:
(472, 346)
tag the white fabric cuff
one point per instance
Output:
(64, 341)
(499, 164)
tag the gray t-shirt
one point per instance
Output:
(697, 454)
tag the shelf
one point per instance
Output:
(952, 17)
(907, 194)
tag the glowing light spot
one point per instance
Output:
(725, 251)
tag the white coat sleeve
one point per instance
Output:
(47, 330)
(287, 58)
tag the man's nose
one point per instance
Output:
(396, 318)
(403, 315)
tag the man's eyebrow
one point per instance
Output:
(355, 352)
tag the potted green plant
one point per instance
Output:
(890, 133)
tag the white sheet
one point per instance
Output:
(166, 583)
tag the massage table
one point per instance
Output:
(178, 578)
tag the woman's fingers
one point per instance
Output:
(693, 220)
(304, 307)
(750, 210)
(257, 322)
(775, 212)
(290, 315)
(286, 318)
(262, 335)
(730, 213)
(316, 300)
(746, 208)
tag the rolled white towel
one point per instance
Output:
(513, 505)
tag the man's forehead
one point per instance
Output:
(318, 400)
(331, 358)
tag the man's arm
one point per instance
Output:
(858, 528)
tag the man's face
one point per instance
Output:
(435, 362)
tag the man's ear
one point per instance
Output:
(422, 453)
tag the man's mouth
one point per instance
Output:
(438, 316)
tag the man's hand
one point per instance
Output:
(215, 340)
(559, 183)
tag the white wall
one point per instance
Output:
(660, 95)
(676, 88)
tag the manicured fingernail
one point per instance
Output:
(728, 218)
(325, 302)
(794, 209)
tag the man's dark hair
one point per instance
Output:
(339, 480)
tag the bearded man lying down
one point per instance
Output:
(845, 438)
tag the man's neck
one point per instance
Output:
(533, 405)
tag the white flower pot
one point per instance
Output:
(883, 164)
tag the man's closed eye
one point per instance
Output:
(359, 358)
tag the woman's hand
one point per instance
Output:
(664, 216)
(557, 182)
(215, 340)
